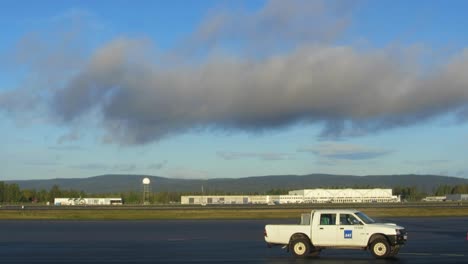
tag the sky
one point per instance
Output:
(228, 89)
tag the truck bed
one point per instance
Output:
(280, 234)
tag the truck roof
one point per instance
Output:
(336, 210)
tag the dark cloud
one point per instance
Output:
(299, 75)
(340, 87)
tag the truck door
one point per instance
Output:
(325, 231)
(350, 231)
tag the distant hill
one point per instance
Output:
(260, 184)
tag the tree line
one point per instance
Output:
(13, 194)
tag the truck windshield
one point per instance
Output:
(365, 218)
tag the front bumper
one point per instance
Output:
(398, 239)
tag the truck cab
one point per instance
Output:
(343, 229)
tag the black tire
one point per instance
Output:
(380, 248)
(300, 247)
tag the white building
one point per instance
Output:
(88, 201)
(375, 195)
(435, 199)
(215, 199)
(301, 196)
(457, 197)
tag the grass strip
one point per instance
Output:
(193, 214)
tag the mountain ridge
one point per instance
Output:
(113, 183)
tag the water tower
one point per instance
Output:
(146, 190)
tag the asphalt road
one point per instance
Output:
(431, 240)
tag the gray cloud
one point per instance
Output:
(246, 155)
(427, 162)
(69, 137)
(276, 26)
(106, 167)
(344, 89)
(65, 148)
(124, 167)
(141, 96)
(41, 163)
(157, 166)
(342, 151)
(91, 166)
(462, 173)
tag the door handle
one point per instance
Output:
(321, 228)
(342, 228)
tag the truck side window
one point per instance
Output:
(348, 219)
(327, 219)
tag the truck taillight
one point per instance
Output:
(265, 233)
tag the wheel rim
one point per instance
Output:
(300, 248)
(380, 249)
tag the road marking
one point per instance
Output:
(417, 254)
(453, 255)
(176, 239)
(429, 254)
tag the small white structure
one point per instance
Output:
(301, 196)
(88, 201)
(146, 190)
(435, 199)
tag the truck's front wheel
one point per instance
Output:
(380, 248)
(300, 247)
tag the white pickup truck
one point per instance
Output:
(338, 229)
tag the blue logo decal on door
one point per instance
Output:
(348, 234)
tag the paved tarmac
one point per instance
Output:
(431, 240)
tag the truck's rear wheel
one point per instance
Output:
(380, 248)
(300, 247)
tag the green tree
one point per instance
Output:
(54, 192)
(28, 195)
(12, 193)
(132, 197)
(443, 190)
(460, 189)
(42, 196)
(2, 192)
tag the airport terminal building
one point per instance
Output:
(300, 196)
(457, 197)
(88, 201)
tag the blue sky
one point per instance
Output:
(207, 89)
